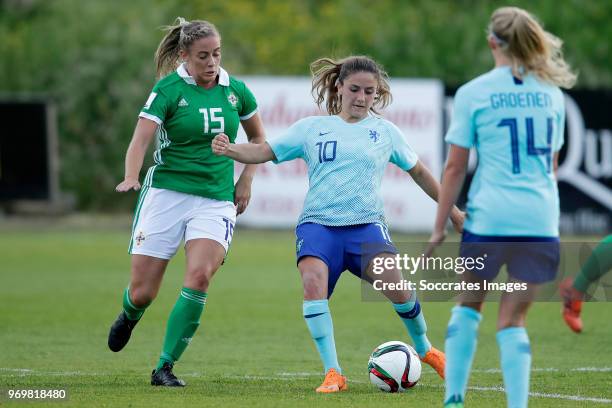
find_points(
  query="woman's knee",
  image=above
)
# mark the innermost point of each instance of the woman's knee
(314, 280)
(314, 289)
(199, 276)
(142, 294)
(147, 274)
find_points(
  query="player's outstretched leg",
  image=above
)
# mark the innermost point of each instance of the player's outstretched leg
(412, 316)
(319, 322)
(460, 346)
(183, 322)
(121, 330)
(573, 291)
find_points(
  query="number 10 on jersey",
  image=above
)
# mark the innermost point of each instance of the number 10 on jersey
(327, 151)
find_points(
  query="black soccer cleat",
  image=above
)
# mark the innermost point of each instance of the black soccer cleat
(165, 377)
(120, 332)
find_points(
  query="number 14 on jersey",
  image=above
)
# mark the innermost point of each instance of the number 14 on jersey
(532, 150)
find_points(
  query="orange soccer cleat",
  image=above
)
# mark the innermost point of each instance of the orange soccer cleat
(572, 304)
(436, 359)
(334, 382)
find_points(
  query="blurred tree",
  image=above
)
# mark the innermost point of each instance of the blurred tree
(95, 59)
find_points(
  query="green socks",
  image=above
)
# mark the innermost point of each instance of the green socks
(131, 311)
(596, 266)
(182, 324)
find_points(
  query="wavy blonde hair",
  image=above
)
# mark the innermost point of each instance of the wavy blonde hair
(531, 48)
(328, 73)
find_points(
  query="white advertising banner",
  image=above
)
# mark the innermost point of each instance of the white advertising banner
(279, 190)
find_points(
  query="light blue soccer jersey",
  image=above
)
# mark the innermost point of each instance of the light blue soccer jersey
(346, 163)
(516, 127)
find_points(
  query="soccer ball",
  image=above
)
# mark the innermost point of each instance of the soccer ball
(394, 367)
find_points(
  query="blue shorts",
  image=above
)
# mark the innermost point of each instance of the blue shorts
(341, 248)
(528, 259)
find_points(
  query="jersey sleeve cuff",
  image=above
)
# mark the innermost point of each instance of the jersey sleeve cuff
(459, 144)
(411, 166)
(249, 115)
(275, 159)
(151, 117)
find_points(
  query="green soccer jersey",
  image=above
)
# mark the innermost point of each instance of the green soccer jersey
(189, 116)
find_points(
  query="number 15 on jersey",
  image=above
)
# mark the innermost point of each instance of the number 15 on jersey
(211, 119)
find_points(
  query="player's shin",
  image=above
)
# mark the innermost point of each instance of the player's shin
(319, 322)
(515, 356)
(121, 329)
(460, 346)
(412, 316)
(183, 322)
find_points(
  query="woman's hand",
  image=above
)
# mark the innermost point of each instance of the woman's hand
(220, 144)
(128, 184)
(436, 239)
(457, 218)
(242, 193)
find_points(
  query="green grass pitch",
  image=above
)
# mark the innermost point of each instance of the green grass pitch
(60, 290)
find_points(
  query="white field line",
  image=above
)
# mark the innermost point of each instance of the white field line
(288, 376)
(493, 371)
(550, 370)
(552, 396)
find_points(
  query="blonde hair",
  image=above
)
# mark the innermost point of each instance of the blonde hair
(327, 74)
(178, 37)
(530, 47)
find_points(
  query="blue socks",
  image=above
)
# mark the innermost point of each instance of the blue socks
(319, 322)
(460, 346)
(515, 355)
(411, 315)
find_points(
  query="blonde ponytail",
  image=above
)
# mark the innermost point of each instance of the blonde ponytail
(179, 37)
(530, 47)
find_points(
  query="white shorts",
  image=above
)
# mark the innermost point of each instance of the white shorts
(164, 218)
